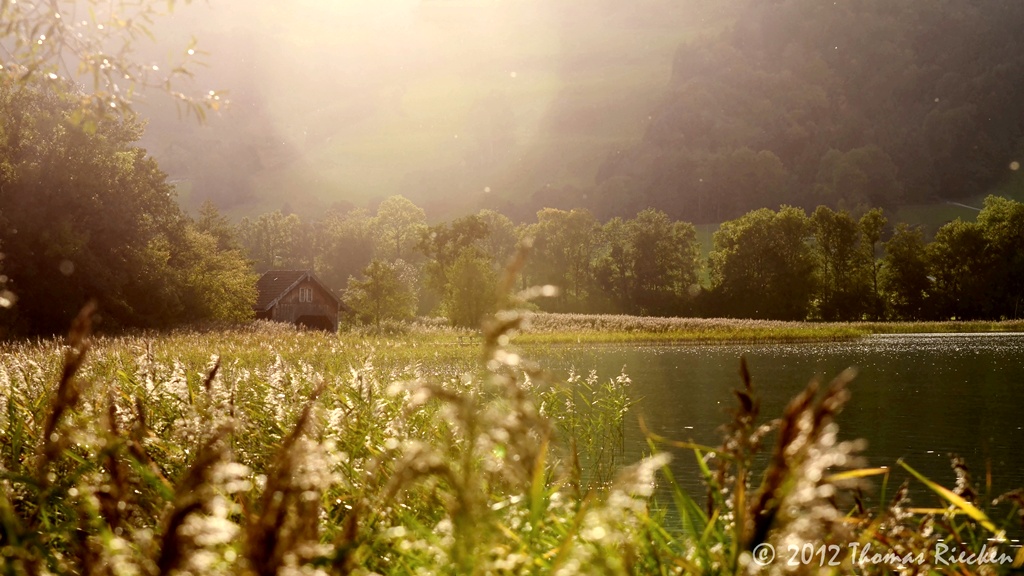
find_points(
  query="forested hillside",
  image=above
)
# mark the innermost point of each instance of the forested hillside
(844, 103)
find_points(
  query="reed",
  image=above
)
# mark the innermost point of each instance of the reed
(290, 452)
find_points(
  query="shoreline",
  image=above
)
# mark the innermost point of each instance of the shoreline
(588, 329)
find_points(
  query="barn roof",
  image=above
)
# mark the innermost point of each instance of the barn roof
(276, 283)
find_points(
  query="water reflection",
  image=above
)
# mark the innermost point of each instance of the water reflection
(917, 397)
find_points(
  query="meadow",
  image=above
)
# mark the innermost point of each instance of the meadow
(266, 450)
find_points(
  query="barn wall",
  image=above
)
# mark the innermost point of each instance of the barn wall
(289, 309)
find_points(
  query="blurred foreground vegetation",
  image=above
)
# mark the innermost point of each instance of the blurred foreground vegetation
(272, 451)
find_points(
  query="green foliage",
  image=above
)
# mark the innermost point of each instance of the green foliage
(662, 260)
(844, 265)
(960, 262)
(387, 291)
(1002, 222)
(276, 241)
(564, 243)
(849, 105)
(501, 240)
(218, 284)
(470, 292)
(89, 215)
(299, 452)
(904, 273)
(763, 266)
(863, 176)
(398, 226)
(766, 264)
(212, 222)
(612, 264)
(92, 43)
(443, 244)
(872, 224)
(344, 245)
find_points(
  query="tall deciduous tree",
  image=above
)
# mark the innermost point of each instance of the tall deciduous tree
(904, 274)
(1002, 224)
(212, 222)
(612, 272)
(501, 240)
(398, 226)
(844, 292)
(276, 241)
(387, 291)
(762, 265)
(872, 224)
(89, 215)
(663, 260)
(961, 262)
(217, 283)
(470, 293)
(442, 245)
(564, 243)
(344, 246)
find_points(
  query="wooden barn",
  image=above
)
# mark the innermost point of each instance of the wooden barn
(298, 297)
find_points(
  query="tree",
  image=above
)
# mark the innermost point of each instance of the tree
(1002, 224)
(612, 270)
(871, 224)
(344, 246)
(212, 222)
(386, 292)
(470, 293)
(762, 265)
(443, 244)
(218, 284)
(961, 261)
(70, 45)
(501, 240)
(564, 244)
(904, 273)
(275, 241)
(842, 265)
(89, 215)
(663, 260)
(399, 224)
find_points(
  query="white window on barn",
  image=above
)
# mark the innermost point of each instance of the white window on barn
(305, 294)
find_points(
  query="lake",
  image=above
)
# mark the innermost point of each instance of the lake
(917, 397)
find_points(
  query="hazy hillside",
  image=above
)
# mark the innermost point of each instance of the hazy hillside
(702, 109)
(843, 103)
(455, 104)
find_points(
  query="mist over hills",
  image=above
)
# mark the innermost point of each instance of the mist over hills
(457, 105)
(850, 103)
(701, 109)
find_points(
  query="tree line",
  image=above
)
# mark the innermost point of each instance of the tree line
(773, 264)
(85, 213)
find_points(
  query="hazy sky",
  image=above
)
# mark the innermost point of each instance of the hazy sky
(443, 99)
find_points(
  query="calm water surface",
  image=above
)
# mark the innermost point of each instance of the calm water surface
(916, 397)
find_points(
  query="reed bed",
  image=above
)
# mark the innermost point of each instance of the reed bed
(550, 327)
(266, 450)
(596, 328)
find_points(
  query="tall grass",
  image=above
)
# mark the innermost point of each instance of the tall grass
(295, 453)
